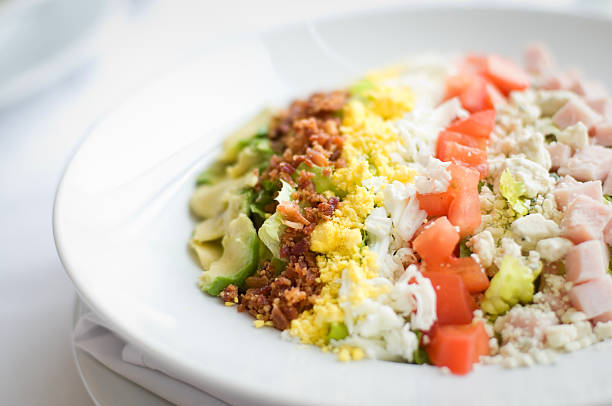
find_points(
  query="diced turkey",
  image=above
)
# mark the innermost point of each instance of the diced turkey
(602, 106)
(603, 133)
(555, 81)
(589, 89)
(586, 261)
(607, 234)
(585, 219)
(559, 154)
(566, 193)
(593, 298)
(575, 111)
(607, 186)
(591, 163)
(537, 59)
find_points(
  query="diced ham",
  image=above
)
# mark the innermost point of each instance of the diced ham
(537, 59)
(566, 193)
(603, 133)
(607, 234)
(593, 298)
(589, 89)
(591, 163)
(602, 106)
(559, 154)
(607, 316)
(575, 111)
(555, 81)
(586, 261)
(607, 186)
(585, 220)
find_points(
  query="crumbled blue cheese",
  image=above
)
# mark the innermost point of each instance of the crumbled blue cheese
(575, 136)
(550, 101)
(483, 245)
(534, 176)
(532, 228)
(553, 249)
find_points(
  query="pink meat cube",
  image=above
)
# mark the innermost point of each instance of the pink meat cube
(574, 111)
(603, 133)
(607, 186)
(555, 81)
(589, 89)
(602, 106)
(586, 261)
(585, 219)
(590, 163)
(566, 193)
(537, 59)
(607, 233)
(607, 316)
(559, 154)
(593, 298)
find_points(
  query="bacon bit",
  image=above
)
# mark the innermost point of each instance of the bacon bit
(291, 214)
(308, 131)
(319, 158)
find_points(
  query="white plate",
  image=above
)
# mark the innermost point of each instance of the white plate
(121, 220)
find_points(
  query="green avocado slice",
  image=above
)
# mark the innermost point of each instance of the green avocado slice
(239, 259)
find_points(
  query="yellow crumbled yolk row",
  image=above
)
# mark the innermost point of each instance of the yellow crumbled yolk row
(370, 143)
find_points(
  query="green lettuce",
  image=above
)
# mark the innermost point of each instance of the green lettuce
(513, 283)
(512, 190)
(270, 231)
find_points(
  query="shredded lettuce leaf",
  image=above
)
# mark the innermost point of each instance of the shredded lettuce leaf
(513, 283)
(512, 190)
(270, 231)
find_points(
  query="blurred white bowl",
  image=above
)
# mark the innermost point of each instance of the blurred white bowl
(41, 41)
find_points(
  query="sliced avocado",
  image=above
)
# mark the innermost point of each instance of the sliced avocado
(209, 229)
(209, 201)
(239, 259)
(255, 155)
(213, 174)
(207, 252)
(232, 146)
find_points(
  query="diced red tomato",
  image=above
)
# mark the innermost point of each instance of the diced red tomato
(463, 179)
(464, 212)
(458, 347)
(437, 241)
(479, 124)
(474, 64)
(463, 139)
(505, 74)
(474, 97)
(455, 85)
(496, 98)
(470, 271)
(454, 304)
(435, 204)
(473, 157)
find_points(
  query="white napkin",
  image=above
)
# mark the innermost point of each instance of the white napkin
(94, 337)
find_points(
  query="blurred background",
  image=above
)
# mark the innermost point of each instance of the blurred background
(63, 65)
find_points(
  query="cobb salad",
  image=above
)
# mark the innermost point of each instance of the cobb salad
(446, 210)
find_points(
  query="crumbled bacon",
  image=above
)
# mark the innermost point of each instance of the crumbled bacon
(307, 132)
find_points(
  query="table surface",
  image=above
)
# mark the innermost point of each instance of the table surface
(37, 136)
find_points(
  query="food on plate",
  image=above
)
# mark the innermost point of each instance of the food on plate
(447, 210)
